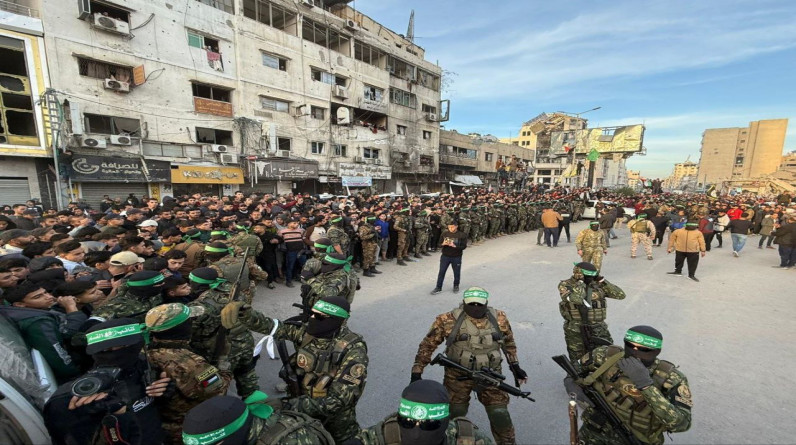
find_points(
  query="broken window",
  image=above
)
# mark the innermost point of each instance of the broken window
(227, 6)
(428, 80)
(317, 113)
(401, 129)
(211, 92)
(368, 54)
(323, 36)
(429, 109)
(101, 124)
(402, 97)
(17, 119)
(275, 62)
(271, 15)
(426, 135)
(103, 70)
(399, 68)
(270, 103)
(370, 153)
(373, 93)
(283, 143)
(213, 136)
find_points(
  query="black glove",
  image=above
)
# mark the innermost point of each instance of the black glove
(519, 374)
(636, 372)
(415, 377)
(599, 279)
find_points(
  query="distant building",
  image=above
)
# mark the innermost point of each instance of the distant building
(741, 153)
(471, 159)
(634, 179)
(683, 176)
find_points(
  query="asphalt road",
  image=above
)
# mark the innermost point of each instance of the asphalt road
(731, 334)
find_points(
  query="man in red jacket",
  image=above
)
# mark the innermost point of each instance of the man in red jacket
(734, 212)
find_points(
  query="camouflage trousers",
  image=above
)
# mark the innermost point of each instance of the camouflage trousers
(495, 403)
(592, 434)
(368, 254)
(421, 243)
(246, 379)
(644, 239)
(512, 225)
(403, 246)
(576, 348)
(494, 227)
(594, 256)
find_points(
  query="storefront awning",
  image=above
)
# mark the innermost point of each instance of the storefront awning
(196, 174)
(467, 180)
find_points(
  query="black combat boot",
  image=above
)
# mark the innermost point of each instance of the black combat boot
(373, 270)
(417, 255)
(401, 262)
(367, 273)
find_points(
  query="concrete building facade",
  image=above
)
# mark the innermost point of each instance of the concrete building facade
(741, 153)
(683, 175)
(471, 159)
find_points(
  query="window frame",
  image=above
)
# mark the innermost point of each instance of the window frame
(371, 153)
(112, 125)
(320, 111)
(427, 135)
(403, 98)
(275, 107)
(401, 129)
(339, 150)
(281, 62)
(213, 88)
(488, 157)
(216, 133)
(316, 147)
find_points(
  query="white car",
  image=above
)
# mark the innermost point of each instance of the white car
(590, 212)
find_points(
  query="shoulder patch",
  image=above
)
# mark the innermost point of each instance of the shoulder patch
(208, 377)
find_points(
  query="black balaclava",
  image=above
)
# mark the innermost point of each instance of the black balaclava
(475, 310)
(428, 392)
(333, 261)
(649, 338)
(124, 358)
(205, 274)
(328, 327)
(217, 413)
(588, 270)
(129, 346)
(180, 332)
(594, 226)
(146, 283)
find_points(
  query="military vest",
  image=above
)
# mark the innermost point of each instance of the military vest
(596, 314)
(472, 347)
(640, 226)
(627, 401)
(317, 368)
(278, 428)
(390, 431)
(230, 268)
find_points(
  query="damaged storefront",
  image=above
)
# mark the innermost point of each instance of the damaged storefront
(282, 176)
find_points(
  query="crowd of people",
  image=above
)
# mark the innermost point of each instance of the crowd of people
(158, 294)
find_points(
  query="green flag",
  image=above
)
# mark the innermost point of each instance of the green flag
(593, 155)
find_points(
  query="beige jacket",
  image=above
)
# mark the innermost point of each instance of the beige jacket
(683, 240)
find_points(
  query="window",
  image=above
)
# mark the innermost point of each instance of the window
(269, 103)
(399, 68)
(102, 70)
(271, 15)
(428, 80)
(368, 54)
(283, 143)
(373, 93)
(227, 6)
(97, 123)
(426, 134)
(739, 160)
(199, 41)
(213, 136)
(17, 120)
(339, 150)
(212, 92)
(322, 76)
(402, 97)
(487, 156)
(110, 11)
(317, 148)
(172, 150)
(275, 62)
(370, 153)
(325, 37)
(429, 109)
(401, 129)
(317, 112)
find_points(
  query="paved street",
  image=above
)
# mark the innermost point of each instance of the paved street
(727, 333)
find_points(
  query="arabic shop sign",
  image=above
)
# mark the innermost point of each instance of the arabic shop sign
(193, 174)
(374, 171)
(283, 169)
(85, 168)
(357, 181)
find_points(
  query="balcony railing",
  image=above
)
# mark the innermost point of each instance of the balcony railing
(18, 9)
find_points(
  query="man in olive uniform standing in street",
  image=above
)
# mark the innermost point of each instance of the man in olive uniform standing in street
(475, 334)
(642, 231)
(422, 226)
(243, 239)
(368, 237)
(228, 266)
(591, 245)
(336, 233)
(584, 309)
(650, 396)
(401, 226)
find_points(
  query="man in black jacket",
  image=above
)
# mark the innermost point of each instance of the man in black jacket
(453, 244)
(786, 239)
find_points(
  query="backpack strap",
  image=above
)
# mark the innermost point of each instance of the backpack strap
(452, 336)
(609, 362)
(392, 432)
(466, 432)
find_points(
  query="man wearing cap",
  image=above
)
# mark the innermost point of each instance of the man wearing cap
(231, 421)
(689, 244)
(194, 378)
(140, 293)
(423, 417)
(86, 411)
(220, 257)
(475, 334)
(641, 231)
(592, 245)
(584, 308)
(650, 396)
(401, 227)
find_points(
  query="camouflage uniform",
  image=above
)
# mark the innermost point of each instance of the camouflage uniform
(642, 231)
(332, 373)
(522, 217)
(664, 406)
(459, 431)
(511, 219)
(369, 237)
(446, 219)
(194, 378)
(312, 265)
(243, 239)
(288, 428)
(494, 221)
(229, 267)
(127, 305)
(422, 226)
(464, 221)
(338, 236)
(337, 283)
(401, 227)
(593, 244)
(241, 342)
(495, 401)
(573, 293)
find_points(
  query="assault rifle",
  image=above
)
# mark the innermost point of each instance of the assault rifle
(287, 373)
(598, 401)
(222, 347)
(484, 377)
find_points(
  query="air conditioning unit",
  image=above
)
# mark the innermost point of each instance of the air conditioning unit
(215, 148)
(227, 158)
(359, 159)
(110, 24)
(283, 153)
(352, 25)
(370, 161)
(431, 117)
(377, 161)
(340, 91)
(300, 110)
(307, 3)
(93, 142)
(121, 140)
(115, 85)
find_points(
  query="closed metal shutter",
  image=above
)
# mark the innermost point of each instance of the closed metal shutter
(92, 192)
(14, 191)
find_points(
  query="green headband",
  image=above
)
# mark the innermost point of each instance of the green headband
(476, 293)
(218, 249)
(148, 282)
(213, 283)
(244, 228)
(330, 309)
(194, 236)
(338, 219)
(590, 273)
(253, 407)
(219, 233)
(177, 320)
(643, 340)
(594, 223)
(321, 246)
(114, 333)
(643, 215)
(423, 411)
(692, 224)
(334, 260)
(371, 218)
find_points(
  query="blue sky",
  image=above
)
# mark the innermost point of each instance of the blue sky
(677, 66)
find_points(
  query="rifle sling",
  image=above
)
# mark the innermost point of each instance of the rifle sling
(591, 378)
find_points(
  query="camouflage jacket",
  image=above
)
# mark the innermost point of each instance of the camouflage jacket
(663, 406)
(445, 220)
(338, 236)
(400, 225)
(126, 305)
(378, 434)
(442, 327)
(288, 428)
(242, 240)
(422, 224)
(228, 268)
(195, 379)
(573, 293)
(195, 251)
(367, 233)
(589, 239)
(337, 283)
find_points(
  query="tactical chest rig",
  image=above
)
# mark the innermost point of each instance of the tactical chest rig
(317, 368)
(472, 347)
(574, 312)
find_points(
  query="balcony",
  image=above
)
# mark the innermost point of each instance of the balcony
(458, 159)
(18, 9)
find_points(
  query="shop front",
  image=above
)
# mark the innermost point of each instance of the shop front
(207, 180)
(94, 177)
(282, 176)
(369, 178)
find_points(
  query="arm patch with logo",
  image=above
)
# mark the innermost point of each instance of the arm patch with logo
(682, 396)
(353, 373)
(209, 377)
